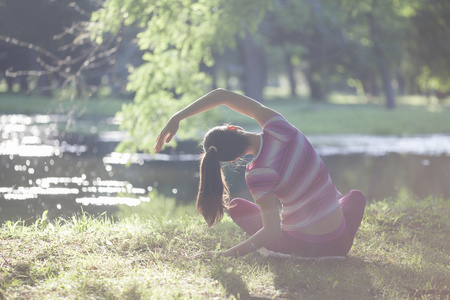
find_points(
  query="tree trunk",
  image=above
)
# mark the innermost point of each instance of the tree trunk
(401, 84)
(382, 64)
(387, 85)
(291, 75)
(316, 88)
(369, 81)
(315, 74)
(254, 64)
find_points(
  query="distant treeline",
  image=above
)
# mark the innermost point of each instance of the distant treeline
(371, 47)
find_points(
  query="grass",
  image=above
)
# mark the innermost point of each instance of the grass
(401, 252)
(19, 103)
(89, 110)
(343, 114)
(349, 116)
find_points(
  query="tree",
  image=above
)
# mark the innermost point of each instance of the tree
(27, 21)
(253, 59)
(428, 46)
(50, 40)
(310, 32)
(178, 37)
(380, 25)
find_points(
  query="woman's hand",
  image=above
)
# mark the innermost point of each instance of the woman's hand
(167, 133)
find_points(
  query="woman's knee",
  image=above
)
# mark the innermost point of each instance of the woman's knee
(242, 207)
(358, 196)
(241, 203)
(353, 199)
(234, 202)
(246, 215)
(353, 205)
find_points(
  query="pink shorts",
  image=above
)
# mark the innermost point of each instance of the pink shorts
(247, 215)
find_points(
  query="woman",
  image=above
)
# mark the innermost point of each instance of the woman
(315, 220)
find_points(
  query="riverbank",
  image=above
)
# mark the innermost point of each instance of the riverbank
(343, 114)
(401, 251)
(348, 115)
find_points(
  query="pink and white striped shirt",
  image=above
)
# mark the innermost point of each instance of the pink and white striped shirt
(289, 167)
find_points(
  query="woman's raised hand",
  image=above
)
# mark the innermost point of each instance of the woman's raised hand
(167, 133)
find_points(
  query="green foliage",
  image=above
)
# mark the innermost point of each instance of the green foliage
(334, 43)
(412, 34)
(308, 32)
(178, 37)
(428, 45)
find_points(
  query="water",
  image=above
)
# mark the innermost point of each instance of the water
(42, 169)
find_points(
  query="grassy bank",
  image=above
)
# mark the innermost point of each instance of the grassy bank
(341, 115)
(352, 116)
(22, 104)
(401, 252)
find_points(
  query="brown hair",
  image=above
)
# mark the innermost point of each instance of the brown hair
(221, 144)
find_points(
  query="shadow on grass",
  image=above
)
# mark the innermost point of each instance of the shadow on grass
(331, 278)
(354, 278)
(233, 283)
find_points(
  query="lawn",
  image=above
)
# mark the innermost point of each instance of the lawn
(402, 251)
(22, 104)
(343, 114)
(413, 115)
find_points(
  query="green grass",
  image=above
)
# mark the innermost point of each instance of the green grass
(401, 252)
(411, 117)
(90, 110)
(343, 114)
(19, 103)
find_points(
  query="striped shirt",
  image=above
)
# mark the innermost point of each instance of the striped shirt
(289, 167)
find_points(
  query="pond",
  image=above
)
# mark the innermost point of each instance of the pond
(43, 169)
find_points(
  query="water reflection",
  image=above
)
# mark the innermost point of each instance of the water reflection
(43, 170)
(140, 158)
(392, 175)
(112, 200)
(432, 145)
(48, 171)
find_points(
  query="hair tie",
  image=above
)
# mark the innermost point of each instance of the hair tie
(212, 148)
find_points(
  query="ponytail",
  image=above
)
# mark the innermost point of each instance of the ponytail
(212, 188)
(221, 143)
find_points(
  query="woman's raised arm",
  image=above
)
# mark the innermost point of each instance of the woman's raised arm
(242, 104)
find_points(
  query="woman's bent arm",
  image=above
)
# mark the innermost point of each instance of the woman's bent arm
(237, 102)
(270, 232)
(240, 103)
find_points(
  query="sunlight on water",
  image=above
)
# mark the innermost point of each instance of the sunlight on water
(116, 158)
(112, 201)
(27, 120)
(113, 186)
(24, 150)
(23, 135)
(32, 147)
(23, 193)
(46, 182)
(9, 148)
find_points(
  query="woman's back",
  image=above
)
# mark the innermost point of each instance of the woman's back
(289, 167)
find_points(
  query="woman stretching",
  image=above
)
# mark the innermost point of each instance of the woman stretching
(316, 220)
